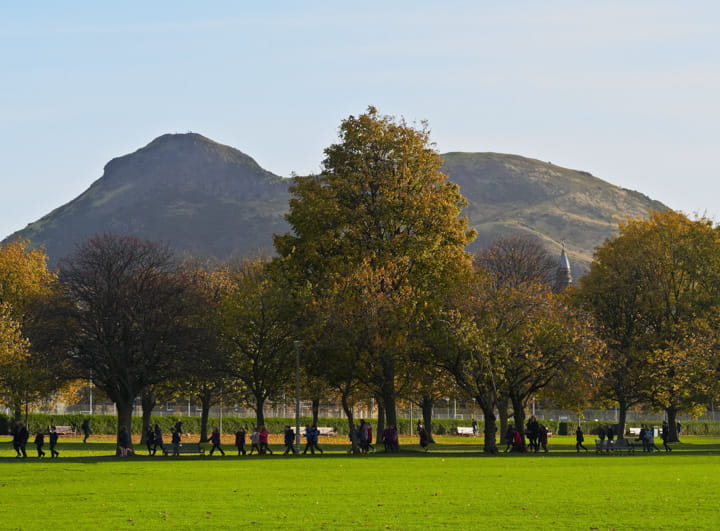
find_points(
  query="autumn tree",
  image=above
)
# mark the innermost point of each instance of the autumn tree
(543, 339)
(380, 201)
(513, 261)
(655, 290)
(464, 348)
(27, 375)
(132, 311)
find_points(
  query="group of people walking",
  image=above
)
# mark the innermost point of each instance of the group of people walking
(360, 435)
(536, 433)
(21, 435)
(646, 437)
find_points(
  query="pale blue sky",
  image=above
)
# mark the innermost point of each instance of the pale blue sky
(627, 90)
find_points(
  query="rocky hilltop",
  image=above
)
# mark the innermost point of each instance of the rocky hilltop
(208, 199)
(201, 197)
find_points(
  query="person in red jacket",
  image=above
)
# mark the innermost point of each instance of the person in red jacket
(264, 441)
(517, 441)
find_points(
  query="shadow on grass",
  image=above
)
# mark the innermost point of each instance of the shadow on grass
(105, 451)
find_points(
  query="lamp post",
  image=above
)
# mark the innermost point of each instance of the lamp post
(297, 344)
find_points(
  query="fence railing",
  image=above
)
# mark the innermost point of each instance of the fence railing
(332, 410)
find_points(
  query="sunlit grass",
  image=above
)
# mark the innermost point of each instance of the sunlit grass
(453, 486)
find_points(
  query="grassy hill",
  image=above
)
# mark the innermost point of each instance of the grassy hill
(510, 193)
(209, 199)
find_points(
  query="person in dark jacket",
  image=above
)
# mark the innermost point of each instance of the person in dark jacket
(53, 439)
(509, 437)
(39, 443)
(601, 437)
(665, 436)
(175, 442)
(424, 439)
(642, 437)
(158, 440)
(20, 439)
(150, 440)
(610, 434)
(532, 430)
(289, 435)
(579, 439)
(85, 429)
(215, 440)
(124, 442)
(240, 440)
(543, 437)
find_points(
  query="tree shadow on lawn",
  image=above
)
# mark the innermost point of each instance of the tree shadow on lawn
(105, 451)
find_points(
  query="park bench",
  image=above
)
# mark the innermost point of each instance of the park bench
(617, 445)
(327, 430)
(623, 445)
(186, 448)
(465, 431)
(634, 431)
(64, 430)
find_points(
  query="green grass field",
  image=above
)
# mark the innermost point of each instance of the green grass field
(453, 486)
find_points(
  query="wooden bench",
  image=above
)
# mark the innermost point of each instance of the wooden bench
(64, 430)
(186, 448)
(464, 431)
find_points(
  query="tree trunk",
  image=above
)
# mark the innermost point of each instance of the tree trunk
(673, 435)
(502, 407)
(17, 412)
(488, 409)
(622, 419)
(519, 418)
(124, 415)
(147, 400)
(427, 406)
(388, 404)
(260, 411)
(380, 423)
(348, 410)
(315, 411)
(205, 403)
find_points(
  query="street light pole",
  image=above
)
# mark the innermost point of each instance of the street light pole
(297, 344)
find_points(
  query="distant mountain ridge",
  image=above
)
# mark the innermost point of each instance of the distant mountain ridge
(209, 199)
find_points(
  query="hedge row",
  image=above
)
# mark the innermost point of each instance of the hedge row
(107, 424)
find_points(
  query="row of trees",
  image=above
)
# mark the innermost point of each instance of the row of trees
(375, 288)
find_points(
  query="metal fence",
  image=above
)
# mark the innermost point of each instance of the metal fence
(331, 409)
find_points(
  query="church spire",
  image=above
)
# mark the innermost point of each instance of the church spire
(563, 276)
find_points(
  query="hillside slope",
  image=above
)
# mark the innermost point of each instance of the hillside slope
(208, 199)
(510, 193)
